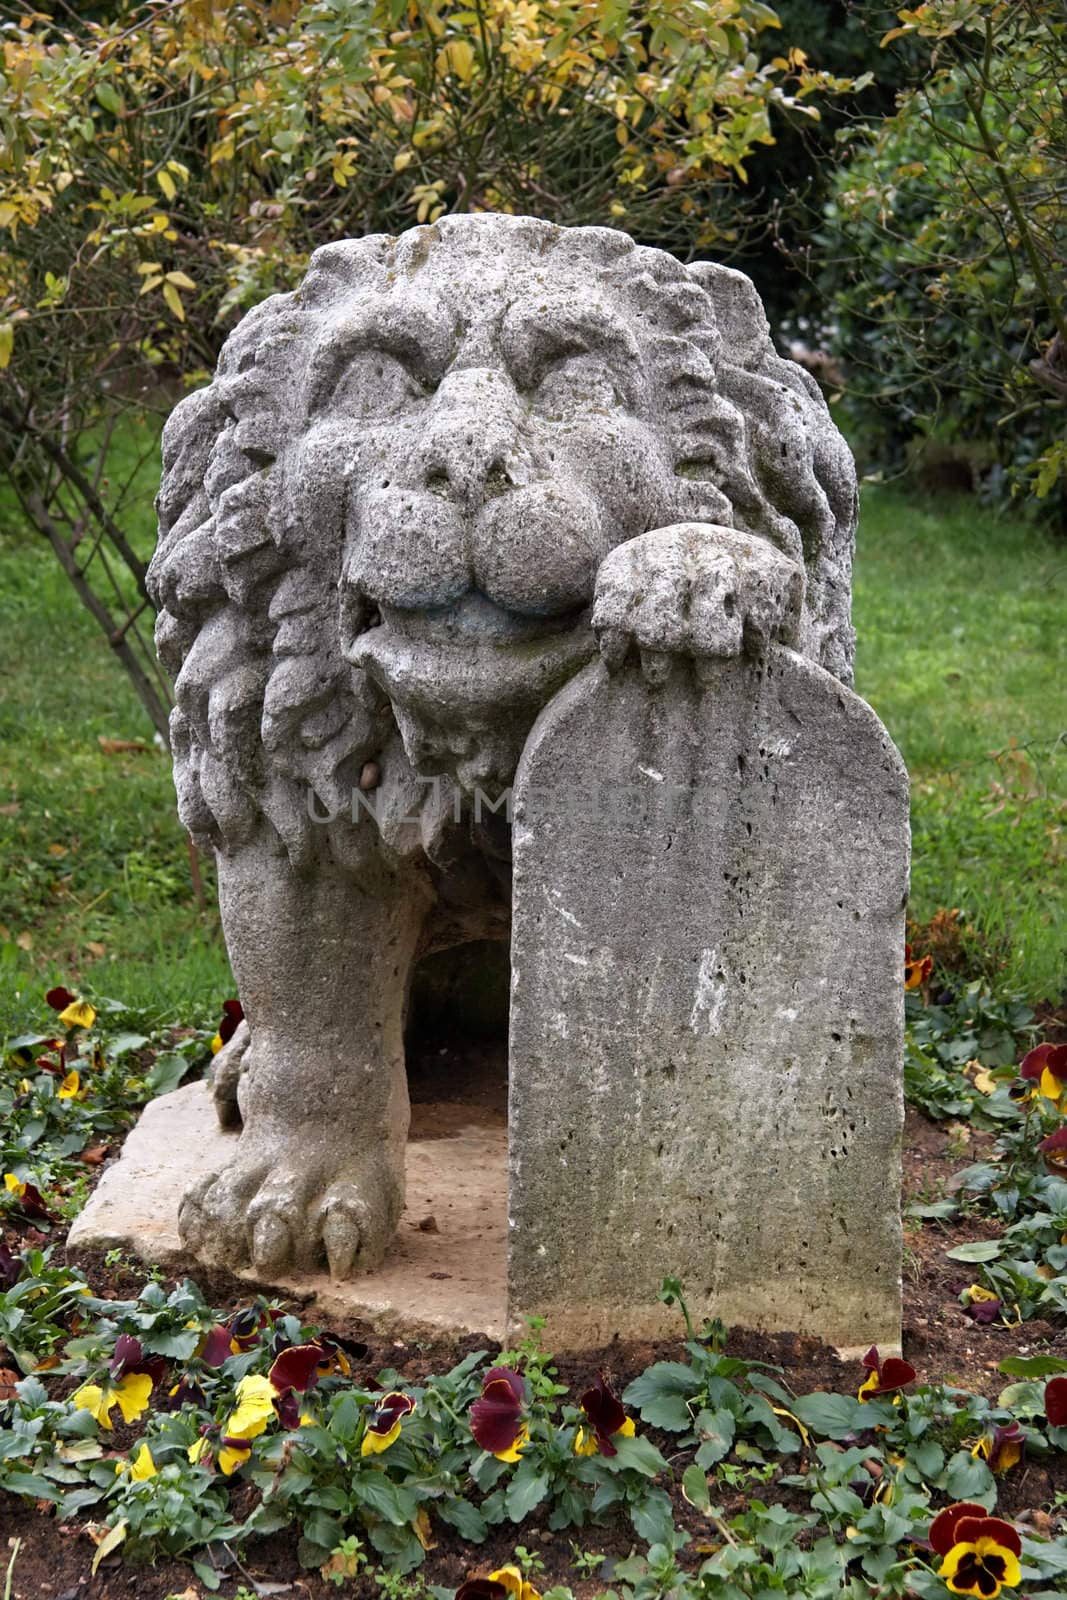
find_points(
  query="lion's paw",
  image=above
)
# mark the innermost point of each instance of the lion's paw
(694, 590)
(280, 1211)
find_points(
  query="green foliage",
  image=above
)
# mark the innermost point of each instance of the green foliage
(862, 1477)
(68, 1089)
(968, 1026)
(865, 1474)
(944, 238)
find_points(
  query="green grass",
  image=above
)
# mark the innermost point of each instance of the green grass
(95, 884)
(960, 622)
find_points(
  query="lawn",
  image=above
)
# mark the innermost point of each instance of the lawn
(959, 614)
(961, 650)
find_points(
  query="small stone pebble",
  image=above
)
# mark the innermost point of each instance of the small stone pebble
(371, 776)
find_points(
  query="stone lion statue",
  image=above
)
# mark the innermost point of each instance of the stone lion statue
(423, 491)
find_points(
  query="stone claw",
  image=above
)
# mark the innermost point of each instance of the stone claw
(281, 1209)
(697, 591)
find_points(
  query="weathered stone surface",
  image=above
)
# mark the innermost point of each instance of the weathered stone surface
(443, 1271)
(707, 1009)
(423, 492)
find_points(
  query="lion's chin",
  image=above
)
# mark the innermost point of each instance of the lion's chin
(465, 699)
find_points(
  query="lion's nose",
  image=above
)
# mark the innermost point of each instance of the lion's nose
(470, 449)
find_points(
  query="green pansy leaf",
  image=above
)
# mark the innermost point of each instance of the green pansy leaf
(527, 1489)
(695, 1488)
(928, 1457)
(464, 1517)
(977, 1250)
(968, 1478)
(1033, 1366)
(166, 1074)
(660, 1395)
(833, 1415)
(1025, 1399)
(637, 1454)
(653, 1517)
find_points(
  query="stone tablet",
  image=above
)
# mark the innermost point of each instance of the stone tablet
(707, 1007)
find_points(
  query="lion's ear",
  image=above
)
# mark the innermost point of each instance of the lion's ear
(739, 313)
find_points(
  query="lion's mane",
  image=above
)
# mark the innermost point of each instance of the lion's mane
(267, 706)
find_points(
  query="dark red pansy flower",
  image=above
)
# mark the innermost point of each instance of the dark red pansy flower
(383, 1424)
(129, 1357)
(32, 1204)
(1044, 1058)
(943, 1528)
(288, 1408)
(185, 1392)
(980, 1554)
(232, 1017)
(59, 998)
(216, 1346)
(1054, 1149)
(127, 1354)
(481, 1589)
(916, 968)
(605, 1412)
(297, 1368)
(247, 1325)
(497, 1417)
(340, 1353)
(1056, 1402)
(884, 1377)
(10, 1267)
(983, 1311)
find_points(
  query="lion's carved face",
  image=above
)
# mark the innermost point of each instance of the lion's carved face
(391, 505)
(489, 427)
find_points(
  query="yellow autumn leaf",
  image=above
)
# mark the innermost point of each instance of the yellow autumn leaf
(403, 160)
(174, 300)
(460, 53)
(167, 184)
(181, 280)
(7, 343)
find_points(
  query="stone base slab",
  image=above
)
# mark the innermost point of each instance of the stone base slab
(445, 1276)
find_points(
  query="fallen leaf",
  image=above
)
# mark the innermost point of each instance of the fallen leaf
(423, 1529)
(8, 1380)
(58, 850)
(12, 809)
(120, 747)
(24, 941)
(106, 1540)
(93, 1154)
(95, 948)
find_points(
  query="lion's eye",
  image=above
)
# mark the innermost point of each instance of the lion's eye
(575, 379)
(375, 383)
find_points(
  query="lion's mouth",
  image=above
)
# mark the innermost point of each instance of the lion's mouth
(472, 657)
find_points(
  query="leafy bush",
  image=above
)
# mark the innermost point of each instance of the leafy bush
(942, 239)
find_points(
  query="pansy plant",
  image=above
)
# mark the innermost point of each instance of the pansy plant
(131, 1377)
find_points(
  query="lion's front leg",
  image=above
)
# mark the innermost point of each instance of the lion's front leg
(697, 591)
(322, 968)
